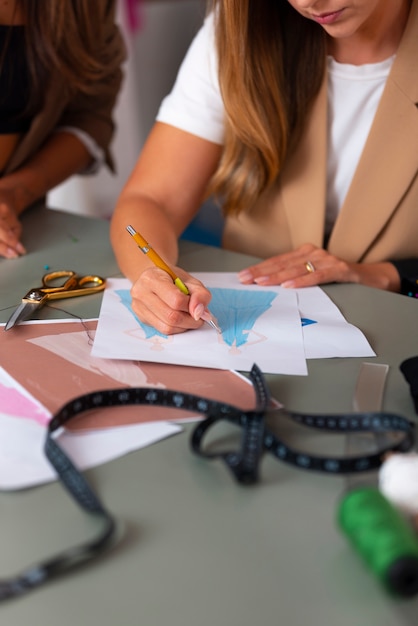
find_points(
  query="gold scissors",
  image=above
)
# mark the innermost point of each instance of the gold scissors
(73, 285)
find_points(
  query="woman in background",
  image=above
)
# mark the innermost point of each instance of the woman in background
(60, 73)
(301, 116)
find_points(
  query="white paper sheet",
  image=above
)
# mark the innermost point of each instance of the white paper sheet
(274, 327)
(23, 463)
(259, 325)
(326, 333)
(23, 430)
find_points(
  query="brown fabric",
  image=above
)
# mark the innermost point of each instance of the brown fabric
(92, 114)
(379, 218)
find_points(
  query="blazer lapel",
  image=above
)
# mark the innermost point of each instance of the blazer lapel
(303, 181)
(389, 161)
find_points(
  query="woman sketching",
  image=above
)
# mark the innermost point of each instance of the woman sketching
(301, 117)
(60, 72)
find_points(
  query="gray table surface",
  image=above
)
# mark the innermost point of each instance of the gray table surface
(198, 550)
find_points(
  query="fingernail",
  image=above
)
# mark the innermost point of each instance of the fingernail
(262, 280)
(20, 248)
(245, 276)
(198, 312)
(287, 284)
(11, 254)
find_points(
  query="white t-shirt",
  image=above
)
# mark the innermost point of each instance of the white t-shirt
(195, 105)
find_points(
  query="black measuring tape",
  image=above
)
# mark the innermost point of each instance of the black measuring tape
(258, 439)
(38, 574)
(244, 463)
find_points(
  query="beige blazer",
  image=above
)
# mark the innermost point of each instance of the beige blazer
(92, 113)
(379, 218)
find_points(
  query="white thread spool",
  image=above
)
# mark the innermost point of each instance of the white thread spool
(398, 481)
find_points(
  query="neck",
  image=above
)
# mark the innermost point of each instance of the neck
(376, 40)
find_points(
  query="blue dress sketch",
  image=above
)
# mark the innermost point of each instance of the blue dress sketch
(237, 310)
(126, 300)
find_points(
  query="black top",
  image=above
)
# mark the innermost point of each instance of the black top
(14, 81)
(408, 272)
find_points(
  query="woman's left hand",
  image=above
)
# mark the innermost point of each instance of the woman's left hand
(10, 228)
(309, 265)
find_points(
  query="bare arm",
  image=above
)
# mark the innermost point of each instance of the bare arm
(161, 197)
(61, 156)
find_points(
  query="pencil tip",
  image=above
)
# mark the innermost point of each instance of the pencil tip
(215, 326)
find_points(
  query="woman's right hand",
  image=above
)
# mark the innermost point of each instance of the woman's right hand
(159, 303)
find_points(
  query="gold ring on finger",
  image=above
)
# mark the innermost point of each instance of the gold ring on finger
(309, 266)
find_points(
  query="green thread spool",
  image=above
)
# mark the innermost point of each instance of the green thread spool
(383, 537)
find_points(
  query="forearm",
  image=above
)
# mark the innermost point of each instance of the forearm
(59, 158)
(379, 275)
(147, 217)
(162, 195)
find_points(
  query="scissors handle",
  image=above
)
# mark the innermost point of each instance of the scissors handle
(74, 284)
(50, 285)
(85, 286)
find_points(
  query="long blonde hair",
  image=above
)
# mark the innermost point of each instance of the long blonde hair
(271, 64)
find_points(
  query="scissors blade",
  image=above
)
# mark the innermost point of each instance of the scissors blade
(23, 312)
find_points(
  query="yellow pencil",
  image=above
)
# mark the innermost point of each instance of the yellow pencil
(158, 261)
